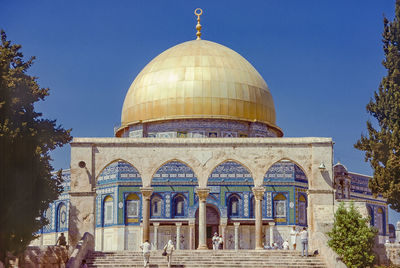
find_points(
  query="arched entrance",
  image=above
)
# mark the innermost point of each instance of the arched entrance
(212, 216)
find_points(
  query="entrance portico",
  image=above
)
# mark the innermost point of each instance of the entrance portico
(89, 156)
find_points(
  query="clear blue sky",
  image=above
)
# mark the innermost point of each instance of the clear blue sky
(321, 59)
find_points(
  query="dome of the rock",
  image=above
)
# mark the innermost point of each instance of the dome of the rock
(199, 80)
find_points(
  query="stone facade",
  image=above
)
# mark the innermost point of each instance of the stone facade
(251, 158)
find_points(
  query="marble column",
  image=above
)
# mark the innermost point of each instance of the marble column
(155, 242)
(258, 197)
(178, 235)
(146, 194)
(236, 224)
(271, 233)
(202, 193)
(191, 233)
(222, 224)
(266, 238)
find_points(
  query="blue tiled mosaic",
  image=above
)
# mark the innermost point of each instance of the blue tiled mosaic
(119, 171)
(230, 172)
(199, 128)
(174, 172)
(284, 172)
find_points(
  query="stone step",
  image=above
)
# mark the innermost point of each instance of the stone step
(207, 258)
(210, 265)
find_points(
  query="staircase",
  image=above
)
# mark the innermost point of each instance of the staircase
(207, 258)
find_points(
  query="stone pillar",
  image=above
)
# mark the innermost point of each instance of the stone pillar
(146, 194)
(222, 224)
(191, 233)
(266, 238)
(236, 224)
(82, 194)
(271, 233)
(178, 235)
(155, 242)
(398, 232)
(258, 197)
(202, 193)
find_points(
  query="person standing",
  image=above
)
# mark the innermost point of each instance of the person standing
(169, 248)
(220, 242)
(304, 241)
(285, 245)
(293, 236)
(62, 241)
(146, 252)
(215, 241)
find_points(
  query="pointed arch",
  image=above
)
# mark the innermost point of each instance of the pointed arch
(156, 205)
(179, 205)
(371, 215)
(174, 171)
(280, 206)
(230, 171)
(302, 209)
(132, 208)
(119, 170)
(285, 170)
(234, 205)
(381, 221)
(61, 217)
(108, 210)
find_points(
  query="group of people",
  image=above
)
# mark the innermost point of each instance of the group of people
(293, 239)
(168, 249)
(217, 241)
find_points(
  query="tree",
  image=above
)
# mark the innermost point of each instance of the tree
(26, 183)
(352, 238)
(382, 146)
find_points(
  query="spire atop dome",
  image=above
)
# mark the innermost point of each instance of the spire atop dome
(198, 12)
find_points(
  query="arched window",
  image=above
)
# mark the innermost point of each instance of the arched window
(108, 210)
(132, 205)
(48, 216)
(252, 206)
(380, 221)
(179, 206)
(62, 221)
(233, 206)
(156, 205)
(371, 215)
(280, 206)
(302, 210)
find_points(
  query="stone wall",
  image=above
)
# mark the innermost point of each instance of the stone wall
(44, 256)
(393, 252)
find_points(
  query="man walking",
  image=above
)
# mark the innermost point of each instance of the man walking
(169, 248)
(304, 241)
(215, 241)
(146, 252)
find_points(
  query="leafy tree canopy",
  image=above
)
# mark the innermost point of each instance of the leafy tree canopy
(352, 238)
(382, 146)
(26, 138)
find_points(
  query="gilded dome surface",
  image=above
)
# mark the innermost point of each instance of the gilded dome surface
(198, 79)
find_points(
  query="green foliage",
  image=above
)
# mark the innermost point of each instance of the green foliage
(352, 238)
(382, 146)
(26, 184)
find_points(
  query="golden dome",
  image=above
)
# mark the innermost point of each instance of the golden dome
(199, 79)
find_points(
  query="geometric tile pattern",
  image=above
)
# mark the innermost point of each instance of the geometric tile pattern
(119, 171)
(230, 172)
(174, 172)
(284, 171)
